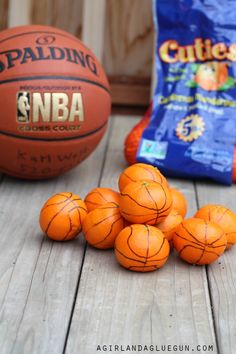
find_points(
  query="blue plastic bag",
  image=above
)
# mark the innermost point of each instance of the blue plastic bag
(192, 130)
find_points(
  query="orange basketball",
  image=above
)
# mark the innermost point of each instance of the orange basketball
(100, 196)
(199, 241)
(62, 215)
(179, 201)
(222, 216)
(102, 225)
(141, 248)
(145, 202)
(55, 101)
(170, 223)
(139, 172)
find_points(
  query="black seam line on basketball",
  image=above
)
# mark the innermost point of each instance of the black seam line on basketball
(54, 139)
(99, 222)
(46, 32)
(109, 233)
(198, 243)
(56, 77)
(63, 201)
(197, 248)
(157, 209)
(140, 261)
(70, 229)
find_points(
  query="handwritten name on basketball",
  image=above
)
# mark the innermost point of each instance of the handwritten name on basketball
(13, 57)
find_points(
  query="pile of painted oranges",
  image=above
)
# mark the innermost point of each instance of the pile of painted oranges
(142, 222)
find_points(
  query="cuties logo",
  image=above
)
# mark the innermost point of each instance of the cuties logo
(202, 50)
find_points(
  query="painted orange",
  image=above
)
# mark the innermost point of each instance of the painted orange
(179, 201)
(222, 216)
(198, 241)
(145, 202)
(170, 223)
(139, 172)
(62, 215)
(100, 196)
(141, 248)
(102, 225)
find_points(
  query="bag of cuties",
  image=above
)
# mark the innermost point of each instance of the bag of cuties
(142, 221)
(192, 129)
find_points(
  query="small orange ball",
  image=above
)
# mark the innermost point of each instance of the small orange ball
(222, 216)
(145, 202)
(100, 196)
(170, 223)
(62, 215)
(141, 248)
(102, 225)
(179, 202)
(139, 172)
(198, 241)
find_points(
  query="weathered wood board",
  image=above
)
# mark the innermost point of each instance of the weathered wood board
(38, 277)
(3, 13)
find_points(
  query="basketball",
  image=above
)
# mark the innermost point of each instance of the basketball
(141, 248)
(55, 102)
(62, 215)
(199, 241)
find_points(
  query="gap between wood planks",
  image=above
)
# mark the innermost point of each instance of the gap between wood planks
(85, 247)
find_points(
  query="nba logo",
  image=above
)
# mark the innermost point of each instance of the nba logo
(23, 107)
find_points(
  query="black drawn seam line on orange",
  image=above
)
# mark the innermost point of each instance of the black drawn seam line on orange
(191, 235)
(140, 261)
(136, 202)
(186, 246)
(200, 244)
(100, 222)
(130, 248)
(130, 178)
(100, 194)
(213, 242)
(70, 229)
(57, 203)
(219, 219)
(56, 214)
(109, 233)
(151, 173)
(131, 259)
(61, 202)
(150, 196)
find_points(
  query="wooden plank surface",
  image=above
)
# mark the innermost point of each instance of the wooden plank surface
(4, 4)
(39, 277)
(222, 275)
(115, 306)
(129, 34)
(66, 15)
